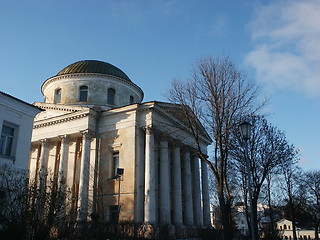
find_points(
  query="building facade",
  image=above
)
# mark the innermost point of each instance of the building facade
(16, 122)
(286, 230)
(94, 124)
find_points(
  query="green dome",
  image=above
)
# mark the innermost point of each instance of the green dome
(93, 66)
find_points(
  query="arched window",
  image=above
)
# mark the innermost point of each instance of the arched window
(57, 95)
(111, 94)
(83, 93)
(131, 99)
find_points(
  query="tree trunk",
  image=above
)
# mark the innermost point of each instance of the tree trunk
(294, 233)
(271, 225)
(316, 230)
(225, 217)
(255, 217)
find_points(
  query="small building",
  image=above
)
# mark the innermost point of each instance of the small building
(286, 230)
(94, 124)
(240, 218)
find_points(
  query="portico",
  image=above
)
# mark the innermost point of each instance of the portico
(181, 199)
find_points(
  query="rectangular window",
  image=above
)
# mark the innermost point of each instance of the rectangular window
(115, 163)
(57, 97)
(111, 95)
(83, 94)
(8, 139)
(113, 213)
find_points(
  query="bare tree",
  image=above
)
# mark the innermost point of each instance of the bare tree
(219, 95)
(289, 183)
(30, 211)
(268, 149)
(311, 180)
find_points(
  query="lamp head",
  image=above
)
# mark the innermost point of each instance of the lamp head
(245, 130)
(120, 171)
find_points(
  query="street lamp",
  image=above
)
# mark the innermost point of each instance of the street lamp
(245, 131)
(119, 174)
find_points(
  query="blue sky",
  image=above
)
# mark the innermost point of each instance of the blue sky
(276, 42)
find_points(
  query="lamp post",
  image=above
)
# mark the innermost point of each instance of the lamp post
(118, 176)
(120, 172)
(245, 131)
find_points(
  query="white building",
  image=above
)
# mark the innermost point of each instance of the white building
(95, 122)
(286, 230)
(16, 121)
(240, 218)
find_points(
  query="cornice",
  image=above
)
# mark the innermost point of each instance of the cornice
(59, 119)
(67, 108)
(74, 75)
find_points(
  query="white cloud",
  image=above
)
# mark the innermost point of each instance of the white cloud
(286, 37)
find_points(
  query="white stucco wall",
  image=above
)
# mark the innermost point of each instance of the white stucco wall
(21, 115)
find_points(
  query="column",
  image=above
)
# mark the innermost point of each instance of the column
(196, 192)
(177, 190)
(42, 179)
(205, 194)
(63, 161)
(150, 181)
(43, 160)
(188, 205)
(165, 211)
(139, 177)
(84, 177)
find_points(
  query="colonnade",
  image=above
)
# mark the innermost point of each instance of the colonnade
(171, 186)
(83, 195)
(183, 194)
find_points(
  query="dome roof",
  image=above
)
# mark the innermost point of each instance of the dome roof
(93, 66)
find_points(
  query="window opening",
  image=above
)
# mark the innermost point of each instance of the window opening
(131, 100)
(6, 142)
(115, 163)
(111, 95)
(57, 96)
(83, 95)
(113, 213)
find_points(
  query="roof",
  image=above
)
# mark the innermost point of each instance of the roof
(93, 66)
(19, 100)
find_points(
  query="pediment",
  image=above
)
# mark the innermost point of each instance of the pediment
(56, 110)
(185, 115)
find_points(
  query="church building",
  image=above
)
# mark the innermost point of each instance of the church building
(122, 158)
